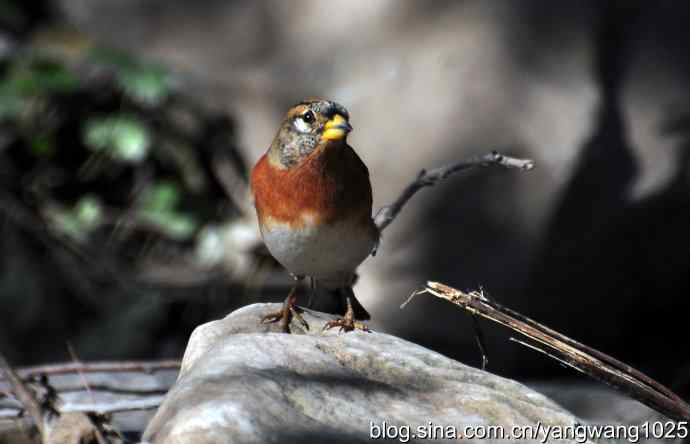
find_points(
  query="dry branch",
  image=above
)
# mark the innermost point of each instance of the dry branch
(24, 395)
(99, 367)
(131, 399)
(80, 408)
(585, 359)
(387, 214)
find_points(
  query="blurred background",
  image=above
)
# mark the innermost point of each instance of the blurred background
(127, 130)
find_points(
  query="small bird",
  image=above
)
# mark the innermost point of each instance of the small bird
(313, 201)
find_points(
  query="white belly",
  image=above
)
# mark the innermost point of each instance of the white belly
(330, 253)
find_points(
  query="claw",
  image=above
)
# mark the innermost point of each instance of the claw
(272, 317)
(297, 315)
(281, 316)
(286, 313)
(345, 325)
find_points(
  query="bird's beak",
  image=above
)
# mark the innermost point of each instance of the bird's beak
(336, 128)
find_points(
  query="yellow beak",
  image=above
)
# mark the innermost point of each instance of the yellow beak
(336, 128)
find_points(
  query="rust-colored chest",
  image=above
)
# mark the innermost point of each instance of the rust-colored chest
(329, 185)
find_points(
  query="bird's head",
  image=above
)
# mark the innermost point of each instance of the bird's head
(307, 126)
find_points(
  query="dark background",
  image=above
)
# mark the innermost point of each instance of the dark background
(593, 243)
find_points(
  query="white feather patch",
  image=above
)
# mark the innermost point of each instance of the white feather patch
(301, 125)
(329, 252)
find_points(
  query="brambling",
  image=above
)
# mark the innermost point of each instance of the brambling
(313, 200)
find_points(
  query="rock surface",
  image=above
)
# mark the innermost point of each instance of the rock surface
(241, 382)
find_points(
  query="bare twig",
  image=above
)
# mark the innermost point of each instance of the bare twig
(120, 406)
(100, 367)
(109, 388)
(479, 338)
(103, 408)
(387, 214)
(24, 395)
(233, 183)
(570, 352)
(85, 413)
(77, 362)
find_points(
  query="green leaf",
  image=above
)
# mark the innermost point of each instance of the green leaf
(125, 138)
(89, 211)
(69, 225)
(42, 146)
(110, 56)
(30, 77)
(54, 77)
(158, 205)
(40, 76)
(161, 197)
(149, 85)
(78, 221)
(11, 103)
(176, 225)
(179, 226)
(143, 82)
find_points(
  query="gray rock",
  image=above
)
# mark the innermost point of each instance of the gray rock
(596, 403)
(241, 382)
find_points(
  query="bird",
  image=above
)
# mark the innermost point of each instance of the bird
(313, 200)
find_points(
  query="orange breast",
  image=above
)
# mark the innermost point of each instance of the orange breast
(331, 184)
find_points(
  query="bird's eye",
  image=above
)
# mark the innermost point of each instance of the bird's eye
(308, 117)
(304, 121)
(301, 125)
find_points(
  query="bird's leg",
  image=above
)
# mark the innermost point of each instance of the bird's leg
(312, 292)
(347, 322)
(288, 311)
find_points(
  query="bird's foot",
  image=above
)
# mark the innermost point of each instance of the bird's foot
(286, 313)
(346, 324)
